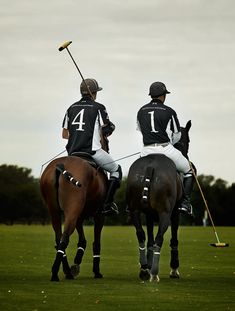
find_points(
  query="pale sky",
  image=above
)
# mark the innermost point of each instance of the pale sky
(126, 45)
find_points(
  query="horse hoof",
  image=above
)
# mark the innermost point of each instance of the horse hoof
(144, 274)
(54, 278)
(98, 276)
(75, 270)
(174, 274)
(154, 278)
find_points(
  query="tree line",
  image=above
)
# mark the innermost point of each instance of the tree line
(21, 201)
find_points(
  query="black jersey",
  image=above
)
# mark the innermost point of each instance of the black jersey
(157, 122)
(83, 120)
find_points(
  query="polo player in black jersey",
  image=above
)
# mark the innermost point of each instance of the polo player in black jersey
(160, 129)
(82, 126)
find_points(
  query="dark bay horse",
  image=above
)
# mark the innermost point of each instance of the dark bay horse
(74, 186)
(155, 188)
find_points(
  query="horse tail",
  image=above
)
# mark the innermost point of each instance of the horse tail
(68, 176)
(146, 184)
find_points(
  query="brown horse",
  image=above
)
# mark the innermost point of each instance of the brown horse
(155, 189)
(76, 187)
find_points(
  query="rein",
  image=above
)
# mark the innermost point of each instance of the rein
(50, 161)
(125, 157)
(128, 156)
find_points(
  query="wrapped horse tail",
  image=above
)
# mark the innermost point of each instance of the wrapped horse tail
(68, 176)
(147, 183)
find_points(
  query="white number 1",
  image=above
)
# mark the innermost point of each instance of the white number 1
(152, 122)
(78, 120)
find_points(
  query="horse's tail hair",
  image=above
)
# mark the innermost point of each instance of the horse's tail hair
(68, 176)
(146, 184)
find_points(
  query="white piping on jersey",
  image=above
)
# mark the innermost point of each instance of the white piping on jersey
(169, 131)
(175, 129)
(96, 145)
(101, 122)
(138, 126)
(66, 121)
(174, 135)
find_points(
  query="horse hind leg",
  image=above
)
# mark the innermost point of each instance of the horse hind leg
(144, 274)
(98, 226)
(66, 268)
(164, 221)
(155, 264)
(144, 270)
(56, 224)
(174, 263)
(150, 234)
(61, 258)
(75, 269)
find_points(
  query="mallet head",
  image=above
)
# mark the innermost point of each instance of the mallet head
(219, 244)
(65, 45)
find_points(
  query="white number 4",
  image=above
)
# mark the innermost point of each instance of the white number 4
(78, 120)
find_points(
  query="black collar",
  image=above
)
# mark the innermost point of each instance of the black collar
(156, 100)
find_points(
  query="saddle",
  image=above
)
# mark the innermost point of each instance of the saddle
(87, 157)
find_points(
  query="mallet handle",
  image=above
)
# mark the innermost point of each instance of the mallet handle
(203, 197)
(65, 46)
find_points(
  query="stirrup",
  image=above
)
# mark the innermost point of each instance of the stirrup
(188, 209)
(110, 209)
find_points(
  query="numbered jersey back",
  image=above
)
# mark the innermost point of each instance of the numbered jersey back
(83, 120)
(157, 122)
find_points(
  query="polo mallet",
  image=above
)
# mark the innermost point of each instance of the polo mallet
(218, 244)
(65, 46)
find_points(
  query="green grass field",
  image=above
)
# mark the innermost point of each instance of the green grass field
(207, 279)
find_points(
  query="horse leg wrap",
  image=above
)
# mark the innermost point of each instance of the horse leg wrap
(156, 258)
(79, 255)
(142, 255)
(174, 264)
(64, 242)
(96, 266)
(56, 265)
(150, 256)
(66, 267)
(96, 262)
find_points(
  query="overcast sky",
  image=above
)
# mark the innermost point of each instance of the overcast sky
(126, 45)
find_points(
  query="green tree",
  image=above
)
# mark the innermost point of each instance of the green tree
(20, 198)
(220, 200)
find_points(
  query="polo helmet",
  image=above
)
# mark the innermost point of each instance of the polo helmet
(157, 89)
(89, 86)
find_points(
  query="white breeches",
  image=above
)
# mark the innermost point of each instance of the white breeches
(105, 161)
(171, 152)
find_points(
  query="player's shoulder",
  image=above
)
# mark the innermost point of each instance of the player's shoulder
(169, 109)
(144, 107)
(99, 105)
(71, 107)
